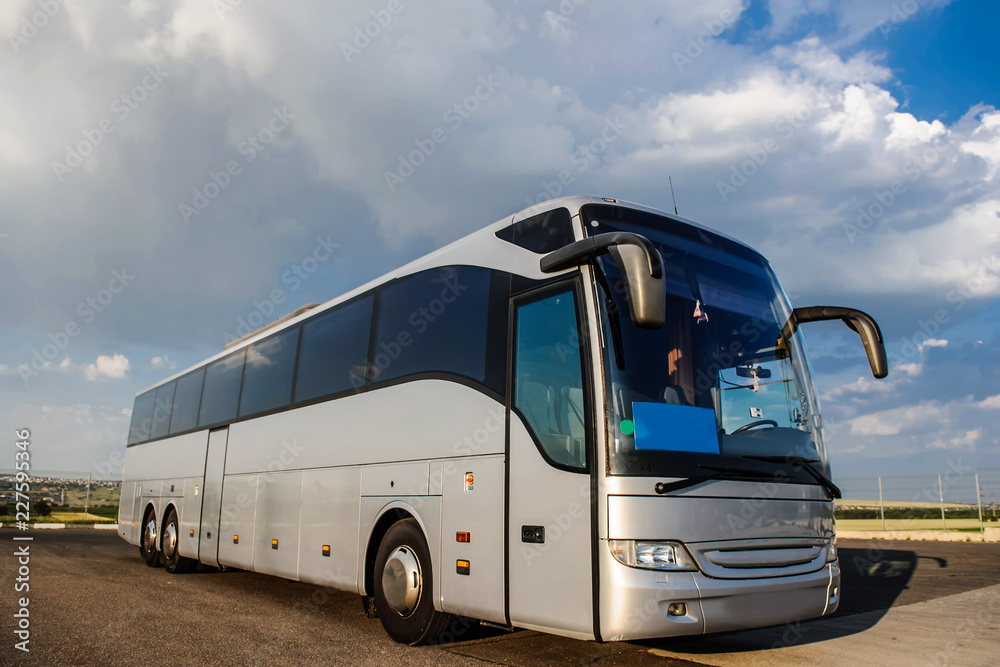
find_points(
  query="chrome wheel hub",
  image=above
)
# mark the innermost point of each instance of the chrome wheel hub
(401, 581)
(149, 535)
(170, 540)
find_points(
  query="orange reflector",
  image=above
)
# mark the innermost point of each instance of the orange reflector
(236, 539)
(192, 532)
(326, 550)
(274, 544)
(462, 567)
(463, 537)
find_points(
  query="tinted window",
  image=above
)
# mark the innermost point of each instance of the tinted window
(184, 416)
(334, 349)
(161, 410)
(541, 233)
(270, 365)
(142, 415)
(222, 390)
(434, 321)
(548, 378)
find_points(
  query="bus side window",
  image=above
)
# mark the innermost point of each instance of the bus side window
(548, 377)
(221, 394)
(267, 378)
(187, 398)
(161, 410)
(333, 351)
(142, 417)
(435, 321)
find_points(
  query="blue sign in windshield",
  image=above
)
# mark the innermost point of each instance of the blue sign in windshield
(677, 428)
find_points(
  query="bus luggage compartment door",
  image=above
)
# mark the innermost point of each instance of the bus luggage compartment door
(211, 507)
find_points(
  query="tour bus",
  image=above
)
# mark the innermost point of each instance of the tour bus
(591, 418)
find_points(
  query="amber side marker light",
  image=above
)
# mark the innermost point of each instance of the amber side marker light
(236, 539)
(462, 567)
(463, 537)
(274, 544)
(326, 550)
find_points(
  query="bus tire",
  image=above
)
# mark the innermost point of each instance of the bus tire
(147, 540)
(173, 561)
(403, 586)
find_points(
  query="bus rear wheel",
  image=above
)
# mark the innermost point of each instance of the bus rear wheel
(147, 546)
(403, 585)
(173, 561)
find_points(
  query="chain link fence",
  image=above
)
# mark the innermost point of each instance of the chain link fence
(958, 499)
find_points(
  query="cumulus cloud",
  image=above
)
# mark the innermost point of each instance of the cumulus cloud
(107, 368)
(790, 142)
(163, 362)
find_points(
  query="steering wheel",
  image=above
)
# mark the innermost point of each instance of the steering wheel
(762, 422)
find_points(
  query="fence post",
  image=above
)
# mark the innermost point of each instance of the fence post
(944, 526)
(979, 503)
(86, 507)
(881, 507)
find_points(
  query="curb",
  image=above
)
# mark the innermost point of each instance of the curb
(917, 535)
(56, 526)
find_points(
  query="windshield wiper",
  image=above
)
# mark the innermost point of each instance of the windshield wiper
(718, 472)
(805, 464)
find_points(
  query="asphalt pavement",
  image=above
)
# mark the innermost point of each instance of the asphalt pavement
(94, 602)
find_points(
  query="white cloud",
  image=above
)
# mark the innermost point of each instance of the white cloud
(163, 362)
(115, 367)
(991, 403)
(967, 441)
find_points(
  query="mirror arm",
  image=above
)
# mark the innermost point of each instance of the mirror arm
(580, 252)
(858, 321)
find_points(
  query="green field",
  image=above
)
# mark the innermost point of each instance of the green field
(908, 524)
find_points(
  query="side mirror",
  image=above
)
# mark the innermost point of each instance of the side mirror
(638, 261)
(857, 321)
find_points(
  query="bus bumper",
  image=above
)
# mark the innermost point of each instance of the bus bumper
(636, 602)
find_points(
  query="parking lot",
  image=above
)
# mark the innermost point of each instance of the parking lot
(94, 602)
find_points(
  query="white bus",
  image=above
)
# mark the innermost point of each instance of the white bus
(591, 418)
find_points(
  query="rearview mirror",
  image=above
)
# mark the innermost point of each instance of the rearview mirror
(759, 372)
(857, 321)
(639, 263)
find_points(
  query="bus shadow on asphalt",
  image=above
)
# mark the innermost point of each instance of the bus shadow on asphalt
(871, 581)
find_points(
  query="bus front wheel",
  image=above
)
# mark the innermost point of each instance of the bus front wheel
(403, 586)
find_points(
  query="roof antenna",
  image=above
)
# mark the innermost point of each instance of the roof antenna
(669, 180)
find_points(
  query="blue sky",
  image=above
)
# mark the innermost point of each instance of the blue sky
(275, 125)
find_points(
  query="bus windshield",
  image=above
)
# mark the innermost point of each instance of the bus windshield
(712, 390)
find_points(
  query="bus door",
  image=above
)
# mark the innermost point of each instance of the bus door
(211, 502)
(549, 518)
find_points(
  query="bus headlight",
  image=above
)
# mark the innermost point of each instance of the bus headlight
(652, 555)
(831, 554)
